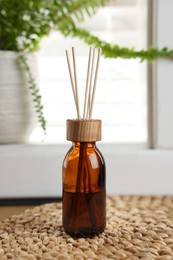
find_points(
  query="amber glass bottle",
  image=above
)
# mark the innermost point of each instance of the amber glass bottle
(84, 193)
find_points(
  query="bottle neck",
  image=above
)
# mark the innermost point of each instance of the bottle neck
(84, 144)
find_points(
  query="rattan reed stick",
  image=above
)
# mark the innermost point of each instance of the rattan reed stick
(71, 79)
(90, 85)
(87, 84)
(75, 80)
(95, 82)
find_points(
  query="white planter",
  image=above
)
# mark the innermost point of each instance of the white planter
(17, 119)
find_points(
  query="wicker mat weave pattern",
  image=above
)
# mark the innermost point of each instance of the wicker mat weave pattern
(137, 228)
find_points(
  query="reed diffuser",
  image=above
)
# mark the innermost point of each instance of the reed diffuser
(84, 192)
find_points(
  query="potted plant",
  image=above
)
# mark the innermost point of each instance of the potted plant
(23, 25)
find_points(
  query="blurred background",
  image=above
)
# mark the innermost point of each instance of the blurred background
(133, 98)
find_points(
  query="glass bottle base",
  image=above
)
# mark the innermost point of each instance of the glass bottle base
(85, 232)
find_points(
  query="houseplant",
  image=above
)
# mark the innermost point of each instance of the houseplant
(24, 23)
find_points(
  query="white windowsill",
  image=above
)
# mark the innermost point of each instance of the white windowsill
(35, 170)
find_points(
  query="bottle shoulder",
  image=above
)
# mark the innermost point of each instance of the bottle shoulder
(87, 150)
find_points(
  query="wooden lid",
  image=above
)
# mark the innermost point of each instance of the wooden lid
(83, 130)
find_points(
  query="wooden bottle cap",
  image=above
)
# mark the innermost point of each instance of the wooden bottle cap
(83, 130)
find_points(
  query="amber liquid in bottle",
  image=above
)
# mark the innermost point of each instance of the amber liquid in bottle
(84, 194)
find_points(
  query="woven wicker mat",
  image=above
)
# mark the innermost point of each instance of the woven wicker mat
(137, 228)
